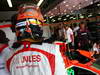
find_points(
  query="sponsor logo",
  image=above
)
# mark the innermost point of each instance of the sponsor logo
(27, 61)
(33, 58)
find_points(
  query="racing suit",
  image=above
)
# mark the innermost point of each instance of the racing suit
(35, 59)
(3, 70)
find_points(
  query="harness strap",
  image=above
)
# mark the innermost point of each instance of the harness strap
(26, 44)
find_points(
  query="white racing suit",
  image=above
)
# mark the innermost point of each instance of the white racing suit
(3, 70)
(35, 59)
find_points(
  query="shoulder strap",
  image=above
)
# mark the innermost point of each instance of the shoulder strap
(26, 44)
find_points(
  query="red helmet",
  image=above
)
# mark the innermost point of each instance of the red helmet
(29, 22)
(29, 11)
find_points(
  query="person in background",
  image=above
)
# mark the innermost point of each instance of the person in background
(76, 28)
(3, 44)
(61, 33)
(69, 36)
(29, 55)
(83, 37)
(96, 47)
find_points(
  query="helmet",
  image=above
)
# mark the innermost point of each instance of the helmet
(29, 10)
(29, 23)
